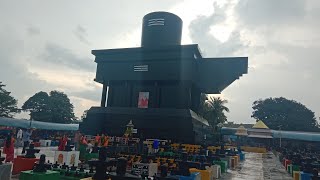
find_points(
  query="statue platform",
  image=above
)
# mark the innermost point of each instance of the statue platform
(30, 175)
(23, 164)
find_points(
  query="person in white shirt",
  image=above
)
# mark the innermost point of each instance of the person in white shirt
(19, 137)
(26, 139)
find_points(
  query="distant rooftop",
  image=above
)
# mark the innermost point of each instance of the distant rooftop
(232, 125)
(260, 125)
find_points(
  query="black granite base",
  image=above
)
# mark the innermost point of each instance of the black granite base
(179, 125)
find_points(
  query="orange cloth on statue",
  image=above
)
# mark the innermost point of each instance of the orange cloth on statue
(97, 140)
(104, 141)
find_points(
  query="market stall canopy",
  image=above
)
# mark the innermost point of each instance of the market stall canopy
(297, 135)
(23, 123)
(262, 136)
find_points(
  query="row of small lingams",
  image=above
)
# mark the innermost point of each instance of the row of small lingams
(119, 164)
(300, 162)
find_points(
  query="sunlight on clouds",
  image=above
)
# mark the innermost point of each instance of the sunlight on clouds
(221, 32)
(81, 104)
(67, 79)
(268, 58)
(131, 39)
(189, 10)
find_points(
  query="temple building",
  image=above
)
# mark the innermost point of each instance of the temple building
(157, 86)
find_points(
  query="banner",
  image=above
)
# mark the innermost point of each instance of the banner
(143, 100)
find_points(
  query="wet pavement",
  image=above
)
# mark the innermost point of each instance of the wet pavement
(258, 166)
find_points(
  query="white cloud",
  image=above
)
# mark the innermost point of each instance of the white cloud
(281, 47)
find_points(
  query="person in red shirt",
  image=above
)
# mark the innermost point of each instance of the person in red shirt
(8, 148)
(97, 140)
(63, 143)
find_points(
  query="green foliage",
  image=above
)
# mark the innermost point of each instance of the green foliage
(213, 109)
(84, 115)
(8, 105)
(289, 114)
(54, 107)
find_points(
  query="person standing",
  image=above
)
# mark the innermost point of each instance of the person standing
(19, 137)
(76, 140)
(8, 148)
(26, 139)
(97, 140)
(82, 148)
(155, 146)
(63, 143)
(104, 140)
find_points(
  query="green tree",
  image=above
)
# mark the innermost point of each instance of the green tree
(61, 107)
(289, 114)
(39, 107)
(54, 107)
(84, 115)
(8, 105)
(213, 109)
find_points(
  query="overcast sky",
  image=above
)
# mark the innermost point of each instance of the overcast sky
(46, 45)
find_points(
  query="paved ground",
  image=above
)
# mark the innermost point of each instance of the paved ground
(258, 166)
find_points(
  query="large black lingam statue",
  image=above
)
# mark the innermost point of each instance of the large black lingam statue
(31, 151)
(42, 166)
(101, 165)
(158, 85)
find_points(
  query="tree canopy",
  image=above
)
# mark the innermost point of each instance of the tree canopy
(8, 104)
(288, 114)
(53, 107)
(213, 109)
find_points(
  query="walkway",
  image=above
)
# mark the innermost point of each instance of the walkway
(258, 166)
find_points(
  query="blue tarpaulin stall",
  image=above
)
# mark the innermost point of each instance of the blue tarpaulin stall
(23, 123)
(295, 135)
(304, 136)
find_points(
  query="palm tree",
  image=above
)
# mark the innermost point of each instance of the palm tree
(214, 110)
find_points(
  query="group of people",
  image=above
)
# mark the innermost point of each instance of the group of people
(10, 142)
(98, 141)
(19, 137)
(82, 144)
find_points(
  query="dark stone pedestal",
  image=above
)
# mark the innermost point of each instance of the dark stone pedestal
(181, 125)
